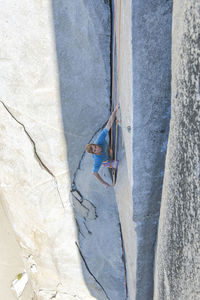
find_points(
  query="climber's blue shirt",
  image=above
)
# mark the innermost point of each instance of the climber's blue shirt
(98, 159)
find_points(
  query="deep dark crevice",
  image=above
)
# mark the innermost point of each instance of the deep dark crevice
(88, 269)
(124, 261)
(111, 55)
(111, 49)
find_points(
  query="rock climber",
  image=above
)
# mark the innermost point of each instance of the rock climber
(98, 150)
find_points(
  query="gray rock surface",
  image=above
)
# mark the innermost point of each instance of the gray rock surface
(98, 228)
(82, 35)
(55, 78)
(177, 262)
(85, 101)
(146, 96)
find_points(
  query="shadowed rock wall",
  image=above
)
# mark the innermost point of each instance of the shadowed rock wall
(83, 37)
(178, 261)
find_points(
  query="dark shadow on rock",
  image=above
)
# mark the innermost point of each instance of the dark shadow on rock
(82, 36)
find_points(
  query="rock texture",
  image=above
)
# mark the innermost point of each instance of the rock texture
(151, 113)
(77, 239)
(55, 80)
(177, 263)
(11, 260)
(145, 42)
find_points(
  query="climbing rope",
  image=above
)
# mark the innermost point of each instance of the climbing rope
(116, 133)
(117, 83)
(113, 74)
(118, 70)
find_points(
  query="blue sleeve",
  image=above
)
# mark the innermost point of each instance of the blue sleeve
(96, 168)
(97, 163)
(102, 137)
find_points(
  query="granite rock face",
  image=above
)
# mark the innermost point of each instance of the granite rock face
(151, 113)
(77, 239)
(55, 79)
(177, 259)
(145, 74)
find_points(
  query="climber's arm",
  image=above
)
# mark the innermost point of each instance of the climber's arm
(111, 119)
(96, 174)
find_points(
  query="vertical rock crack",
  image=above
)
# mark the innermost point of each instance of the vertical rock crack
(124, 262)
(35, 150)
(87, 267)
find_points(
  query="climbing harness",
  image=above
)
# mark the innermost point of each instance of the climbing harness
(110, 163)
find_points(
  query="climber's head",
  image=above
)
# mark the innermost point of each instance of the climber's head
(93, 149)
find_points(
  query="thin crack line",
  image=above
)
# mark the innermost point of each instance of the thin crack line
(57, 292)
(87, 228)
(81, 203)
(35, 150)
(79, 228)
(33, 143)
(124, 262)
(35, 120)
(90, 271)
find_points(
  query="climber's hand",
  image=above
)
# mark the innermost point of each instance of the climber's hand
(107, 184)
